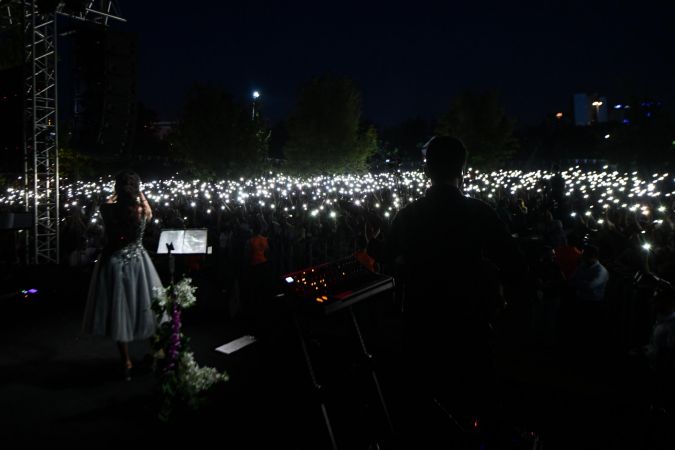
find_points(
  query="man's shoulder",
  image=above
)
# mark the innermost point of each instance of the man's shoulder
(412, 209)
(478, 203)
(482, 209)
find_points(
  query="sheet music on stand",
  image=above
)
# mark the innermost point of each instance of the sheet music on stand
(184, 242)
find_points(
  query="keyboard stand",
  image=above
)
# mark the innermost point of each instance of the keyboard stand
(319, 389)
(369, 361)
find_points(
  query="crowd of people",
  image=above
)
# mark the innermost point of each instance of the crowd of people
(597, 246)
(626, 220)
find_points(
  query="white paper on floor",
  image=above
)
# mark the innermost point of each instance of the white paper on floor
(237, 344)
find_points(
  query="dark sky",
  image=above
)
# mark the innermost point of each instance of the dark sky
(409, 57)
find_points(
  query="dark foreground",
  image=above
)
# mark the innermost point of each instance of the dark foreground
(66, 390)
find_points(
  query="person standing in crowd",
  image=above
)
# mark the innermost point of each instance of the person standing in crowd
(588, 284)
(121, 287)
(590, 279)
(660, 351)
(568, 256)
(258, 274)
(448, 247)
(362, 256)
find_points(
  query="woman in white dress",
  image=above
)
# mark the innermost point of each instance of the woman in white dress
(121, 288)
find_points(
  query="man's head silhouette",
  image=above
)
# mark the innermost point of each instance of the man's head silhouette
(445, 159)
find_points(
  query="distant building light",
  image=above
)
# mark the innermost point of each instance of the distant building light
(649, 114)
(626, 121)
(626, 107)
(619, 106)
(559, 115)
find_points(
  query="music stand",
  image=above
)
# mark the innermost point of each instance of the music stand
(182, 242)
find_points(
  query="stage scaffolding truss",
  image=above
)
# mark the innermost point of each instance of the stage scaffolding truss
(40, 108)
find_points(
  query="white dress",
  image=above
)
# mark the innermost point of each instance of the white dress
(120, 293)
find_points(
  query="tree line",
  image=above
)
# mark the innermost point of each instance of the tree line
(325, 133)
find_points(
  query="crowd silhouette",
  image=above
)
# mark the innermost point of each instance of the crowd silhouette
(595, 281)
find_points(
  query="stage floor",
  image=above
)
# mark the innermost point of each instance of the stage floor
(59, 386)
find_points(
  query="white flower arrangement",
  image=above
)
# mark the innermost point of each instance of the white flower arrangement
(181, 379)
(181, 293)
(198, 378)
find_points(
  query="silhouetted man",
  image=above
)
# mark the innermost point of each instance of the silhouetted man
(453, 250)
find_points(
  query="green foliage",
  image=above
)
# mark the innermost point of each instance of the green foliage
(479, 120)
(216, 135)
(74, 165)
(324, 129)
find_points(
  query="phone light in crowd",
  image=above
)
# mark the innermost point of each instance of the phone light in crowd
(289, 280)
(558, 115)
(607, 136)
(662, 209)
(256, 94)
(573, 214)
(647, 246)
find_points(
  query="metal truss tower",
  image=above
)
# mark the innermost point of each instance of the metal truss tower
(41, 134)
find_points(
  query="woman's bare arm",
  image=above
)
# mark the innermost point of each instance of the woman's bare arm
(146, 207)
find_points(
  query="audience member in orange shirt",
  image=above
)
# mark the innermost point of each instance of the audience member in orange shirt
(568, 257)
(259, 247)
(362, 255)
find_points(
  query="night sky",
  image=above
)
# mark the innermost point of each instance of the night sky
(409, 58)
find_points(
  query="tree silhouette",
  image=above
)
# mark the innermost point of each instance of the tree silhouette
(479, 120)
(216, 135)
(324, 129)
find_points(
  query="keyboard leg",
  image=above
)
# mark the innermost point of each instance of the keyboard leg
(318, 389)
(369, 359)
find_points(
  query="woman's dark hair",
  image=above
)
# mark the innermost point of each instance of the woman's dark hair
(128, 190)
(127, 186)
